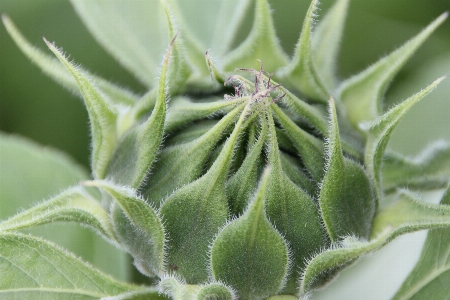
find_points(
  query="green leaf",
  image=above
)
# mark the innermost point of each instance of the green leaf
(101, 114)
(72, 205)
(241, 186)
(429, 277)
(406, 215)
(140, 26)
(248, 254)
(346, 196)
(262, 43)
(301, 72)
(138, 227)
(292, 211)
(326, 40)
(226, 19)
(33, 268)
(181, 164)
(52, 172)
(215, 291)
(428, 170)
(173, 287)
(309, 147)
(363, 93)
(379, 131)
(182, 111)
(54, 69)
(194, 213)
(136, 151)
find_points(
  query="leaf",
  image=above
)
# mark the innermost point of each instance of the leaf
(33, 268)
(101, 114)
(138, 227)
(54, 69)
(362, 94)
(247, 248)
(346, 196)
(262, 43)
(379, 131)
(292, 211)
(241, 186)
(428, 170)
(325, 42)
(194, 213)
(309, 147)
(182, 111)
(429, 277)
(181, 164)
(173, 287)
(140, 26)
(72, 205)
(300, 72)
(136, 151)
(51, 172)
(406, 215)
(190, 133)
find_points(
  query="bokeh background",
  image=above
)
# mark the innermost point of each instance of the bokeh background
(33, 106)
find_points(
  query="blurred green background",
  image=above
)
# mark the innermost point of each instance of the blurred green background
(33, 105)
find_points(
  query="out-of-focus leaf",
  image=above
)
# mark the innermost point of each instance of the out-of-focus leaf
(215, 291)
(262, 43)
(301, 72)
(380, 130)
(429, 278)
(45, 172)
(326, 40)
(101, 114)
(144, 294)
(362, 94)
(34, 268)
(140, 26)
(429, 170)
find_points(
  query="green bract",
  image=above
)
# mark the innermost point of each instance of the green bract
(246, 176)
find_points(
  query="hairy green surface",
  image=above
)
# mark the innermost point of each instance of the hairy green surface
(228, 179)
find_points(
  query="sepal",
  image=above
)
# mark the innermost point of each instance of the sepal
(248, 254)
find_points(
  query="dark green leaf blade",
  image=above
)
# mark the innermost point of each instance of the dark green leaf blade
(33, 268)
(247, 248)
